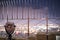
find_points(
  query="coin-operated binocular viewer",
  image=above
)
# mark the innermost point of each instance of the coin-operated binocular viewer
(9, 27)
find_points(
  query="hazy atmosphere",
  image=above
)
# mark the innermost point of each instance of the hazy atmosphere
(35, 14)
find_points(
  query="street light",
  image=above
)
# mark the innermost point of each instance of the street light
(9, 27)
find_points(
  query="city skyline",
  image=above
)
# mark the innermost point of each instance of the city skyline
(34, 11)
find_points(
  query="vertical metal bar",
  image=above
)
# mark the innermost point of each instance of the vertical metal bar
(34, 2)
(22, 8)
(38, 9)
(7, 9)
(30, 2)
(17, 8)
(12, 7)
(2, 10)
(47, 23)
(7, 17)
(28, 21)
(28, 16)
(14, 3)
(53, 9)
(38, 14)
(34, 13)
(46, 20)
(25, 3)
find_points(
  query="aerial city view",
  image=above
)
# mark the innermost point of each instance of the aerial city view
(29, 20)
